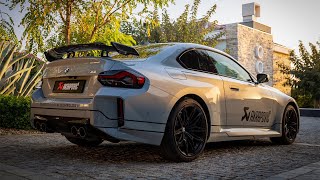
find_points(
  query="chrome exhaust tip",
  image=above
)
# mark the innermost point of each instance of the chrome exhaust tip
(82, 132)
(74, 130)
(43, 127)
(37, 125)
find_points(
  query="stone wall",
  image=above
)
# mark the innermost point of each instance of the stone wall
(231, 31)
(241, 44)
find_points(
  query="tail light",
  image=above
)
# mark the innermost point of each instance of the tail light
(121, 78)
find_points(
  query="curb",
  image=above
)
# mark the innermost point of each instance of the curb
(309, 112)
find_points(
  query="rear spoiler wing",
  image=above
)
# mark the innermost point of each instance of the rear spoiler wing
(59, 52)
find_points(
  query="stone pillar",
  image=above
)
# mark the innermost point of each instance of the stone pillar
(243, 43)
(231, 33)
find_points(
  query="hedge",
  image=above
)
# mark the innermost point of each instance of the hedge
(15, 112)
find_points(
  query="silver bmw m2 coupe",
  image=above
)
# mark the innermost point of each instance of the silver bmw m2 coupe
(178, 96)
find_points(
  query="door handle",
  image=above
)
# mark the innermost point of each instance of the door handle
(234, 88)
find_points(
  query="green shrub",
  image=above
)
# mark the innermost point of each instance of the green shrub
(304, 100)
(15, 112)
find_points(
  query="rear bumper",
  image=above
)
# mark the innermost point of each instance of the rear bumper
(100, 113)
(144, 132)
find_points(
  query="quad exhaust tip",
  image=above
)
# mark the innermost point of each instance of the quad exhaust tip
(79, 132)
(41, 126)
(82, 132)
(37, 125)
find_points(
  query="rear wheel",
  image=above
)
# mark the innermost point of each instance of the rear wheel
(186, 132)
(84, 142)
(289, 127)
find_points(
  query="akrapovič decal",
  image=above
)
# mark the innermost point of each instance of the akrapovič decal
(255, 116)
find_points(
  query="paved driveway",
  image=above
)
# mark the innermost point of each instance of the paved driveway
(50, 155)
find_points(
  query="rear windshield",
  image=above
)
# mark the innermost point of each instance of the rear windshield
(145, 51)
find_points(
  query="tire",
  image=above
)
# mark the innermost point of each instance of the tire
(84, 142)
(290, 127)
(186, 132)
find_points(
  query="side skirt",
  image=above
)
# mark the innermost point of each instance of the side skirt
(230, 134)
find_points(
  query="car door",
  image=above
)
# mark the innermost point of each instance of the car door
(201, 69)
(259, 111)
(247, 103)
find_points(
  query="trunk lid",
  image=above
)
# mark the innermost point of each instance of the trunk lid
(62, 77)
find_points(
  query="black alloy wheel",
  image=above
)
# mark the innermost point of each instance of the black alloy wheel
(290, 127)
(186, 132)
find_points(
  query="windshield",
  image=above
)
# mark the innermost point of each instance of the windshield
(145, 51)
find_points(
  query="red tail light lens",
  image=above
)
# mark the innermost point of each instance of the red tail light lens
(125, 79)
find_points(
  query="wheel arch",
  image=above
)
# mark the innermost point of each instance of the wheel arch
(203, 105)
(297, 109)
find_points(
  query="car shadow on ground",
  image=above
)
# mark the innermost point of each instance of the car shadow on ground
(135, 152)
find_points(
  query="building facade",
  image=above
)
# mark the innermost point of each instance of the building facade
(281, 56)
(251, 43)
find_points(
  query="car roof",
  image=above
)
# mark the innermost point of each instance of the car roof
(186, 46)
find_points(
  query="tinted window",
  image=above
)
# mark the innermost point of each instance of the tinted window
(198, 60)
(227, 67)
(190, 59)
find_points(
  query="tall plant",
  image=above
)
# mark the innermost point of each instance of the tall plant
(305, 75)
(20, 72)
(186, 28)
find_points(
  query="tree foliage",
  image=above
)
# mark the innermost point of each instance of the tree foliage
(6, 26)
(186, 28)
(61, 22)
(305, 75)
(85, 30)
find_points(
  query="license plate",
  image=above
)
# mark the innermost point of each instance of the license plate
(70, 86)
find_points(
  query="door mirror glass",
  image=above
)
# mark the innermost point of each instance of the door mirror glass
(262, 78)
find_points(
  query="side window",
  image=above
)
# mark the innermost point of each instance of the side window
(198, 60)
(190, 59)
(206, 63)
(227, 67)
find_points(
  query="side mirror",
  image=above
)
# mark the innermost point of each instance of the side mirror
(262, 78)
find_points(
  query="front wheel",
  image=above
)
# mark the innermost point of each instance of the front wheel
(186, 132)
(290, 127)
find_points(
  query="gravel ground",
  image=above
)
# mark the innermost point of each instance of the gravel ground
(54, 156)
(10, 131)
